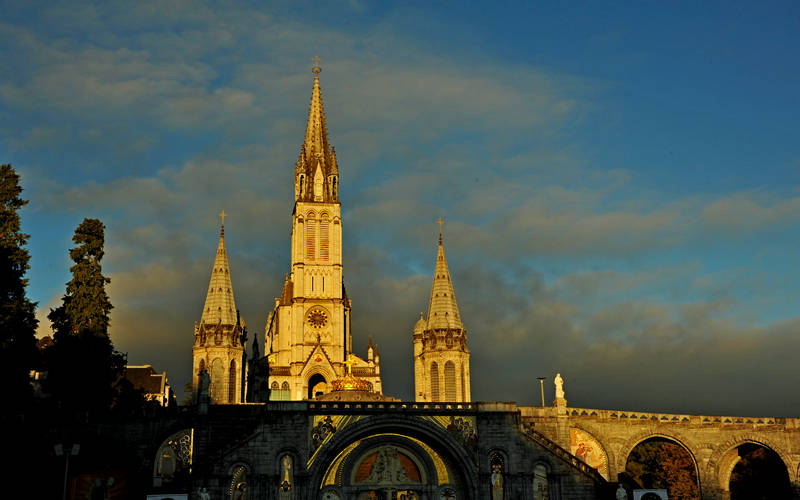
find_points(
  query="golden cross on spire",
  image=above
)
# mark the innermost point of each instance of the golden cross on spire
(350, 362)
(316, 69)
(441, 223)
(223, 215)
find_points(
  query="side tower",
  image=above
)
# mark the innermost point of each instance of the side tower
(441, 357)
(308, 335)
(218, 337)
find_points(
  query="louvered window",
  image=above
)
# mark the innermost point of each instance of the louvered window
(311, 240)
(324, 243)
(434, 382)
(449, 381)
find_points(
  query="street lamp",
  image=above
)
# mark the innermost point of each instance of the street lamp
(541, 385)
(59, 449)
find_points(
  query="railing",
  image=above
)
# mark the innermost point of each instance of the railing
(560, 452)
(384, 406)
(670, 418)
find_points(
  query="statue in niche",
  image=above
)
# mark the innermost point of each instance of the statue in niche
(203, 494)
(621, 493)
(286, 488)
(559, 386)
(497, 477)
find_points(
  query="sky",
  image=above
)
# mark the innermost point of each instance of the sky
(620, 181)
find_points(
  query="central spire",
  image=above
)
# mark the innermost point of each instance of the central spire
(316, 142)
(316, 171)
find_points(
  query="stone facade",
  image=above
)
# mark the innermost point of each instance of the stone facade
(308, 333)
(387, 449)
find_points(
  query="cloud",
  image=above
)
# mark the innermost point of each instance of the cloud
(739, 213)
(154, 118)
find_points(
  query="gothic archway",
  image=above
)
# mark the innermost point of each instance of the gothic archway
(425, 461)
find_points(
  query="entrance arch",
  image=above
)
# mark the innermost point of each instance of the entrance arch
(317, 385)
(425, 461)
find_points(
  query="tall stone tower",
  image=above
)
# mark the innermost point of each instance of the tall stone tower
(308, 334)
(219, 336)
(441, 357)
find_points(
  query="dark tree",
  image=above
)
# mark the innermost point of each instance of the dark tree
(760, 474)
(18, 353)
(85, 373)
(85, 307)
(659, 463)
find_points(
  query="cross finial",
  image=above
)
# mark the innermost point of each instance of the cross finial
(316, 69)
(349, 363)
(223, 215)
(441, 223)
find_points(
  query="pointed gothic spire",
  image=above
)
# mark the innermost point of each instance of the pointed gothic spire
(220, 306)
(316, 142)
(443, 310)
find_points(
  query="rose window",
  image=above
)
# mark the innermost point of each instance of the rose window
(317, 318)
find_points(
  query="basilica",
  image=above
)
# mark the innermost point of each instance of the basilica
(295, 414)
(307, 418)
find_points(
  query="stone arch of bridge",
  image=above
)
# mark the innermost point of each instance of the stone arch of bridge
(600, 436)
(682, 441)
(725, 457)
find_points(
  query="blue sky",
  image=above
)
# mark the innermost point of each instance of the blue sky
(619, 180)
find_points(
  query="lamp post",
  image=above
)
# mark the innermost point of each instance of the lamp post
(59, 449)
(541, 385)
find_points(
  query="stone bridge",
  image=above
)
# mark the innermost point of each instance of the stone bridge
(711, 441)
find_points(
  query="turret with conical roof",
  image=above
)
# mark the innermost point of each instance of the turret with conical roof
(220, 306)
(441, 357)
(218, 345)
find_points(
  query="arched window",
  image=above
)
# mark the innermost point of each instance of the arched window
(449, 381)
(200, 369)
(238, 488)
(463, 384)
(217, 379)
(232, 382)
(274, 393)
(311, 237)
(540, 486)
(434, 381)
(285, 393)
(324, 243)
